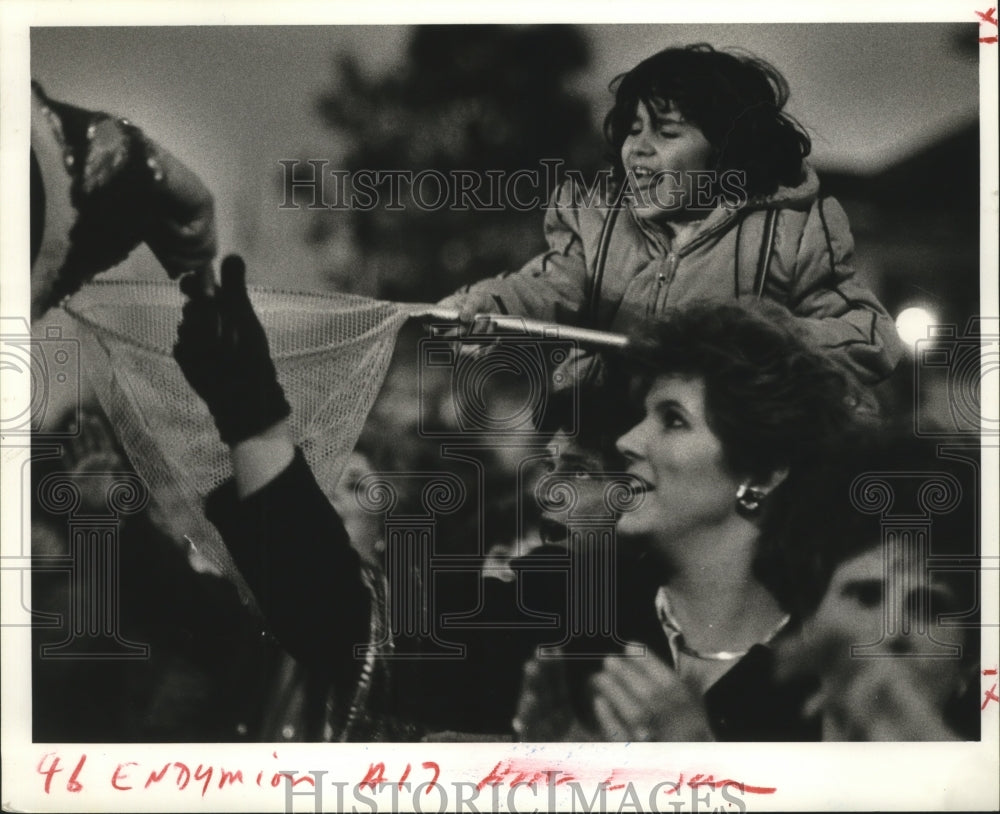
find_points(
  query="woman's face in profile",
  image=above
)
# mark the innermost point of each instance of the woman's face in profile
(681, 465)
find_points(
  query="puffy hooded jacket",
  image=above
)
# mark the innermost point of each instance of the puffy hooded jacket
(792, 247)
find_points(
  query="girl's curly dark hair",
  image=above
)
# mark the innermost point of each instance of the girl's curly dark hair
(737, 102)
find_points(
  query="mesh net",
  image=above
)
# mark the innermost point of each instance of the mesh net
(331, 351)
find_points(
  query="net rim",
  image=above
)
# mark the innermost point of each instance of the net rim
(100, 329)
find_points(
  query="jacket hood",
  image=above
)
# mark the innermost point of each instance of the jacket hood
(800, 195)
(804, 192)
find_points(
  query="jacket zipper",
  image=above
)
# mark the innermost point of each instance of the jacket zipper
(704, 236)
(663, 281)
(698, 239)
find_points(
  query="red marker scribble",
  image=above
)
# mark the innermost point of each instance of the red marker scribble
(375, 776)
(524, 773)
(73, 784)
(989, 16)
(711, 782)
(430, 764)
(121, 775)
(700, 780)
(991, 693)
(611, 783)
(232, 778)
(513, 773)
(156, 777)
(296, 780)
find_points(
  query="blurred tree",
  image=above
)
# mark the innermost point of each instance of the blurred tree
(466, 100)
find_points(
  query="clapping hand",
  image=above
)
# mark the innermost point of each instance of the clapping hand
(633, 698)
(545, 710)
(882, 697)
(641, 698)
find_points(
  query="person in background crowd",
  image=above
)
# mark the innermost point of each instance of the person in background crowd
(208, 666)
(890, 663)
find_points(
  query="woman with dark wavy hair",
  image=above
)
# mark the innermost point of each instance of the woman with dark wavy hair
(710, 198)
(736, 407)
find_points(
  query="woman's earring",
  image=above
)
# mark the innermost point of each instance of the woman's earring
(748, 499)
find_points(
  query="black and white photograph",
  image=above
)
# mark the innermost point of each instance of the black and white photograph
(482, 410)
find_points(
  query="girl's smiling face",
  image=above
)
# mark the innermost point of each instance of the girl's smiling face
(659, 154)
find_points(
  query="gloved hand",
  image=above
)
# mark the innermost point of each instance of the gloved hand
(122, 189)
(180, 226)
(224, 354)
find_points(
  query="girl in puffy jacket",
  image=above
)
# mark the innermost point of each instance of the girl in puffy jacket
(711, 199)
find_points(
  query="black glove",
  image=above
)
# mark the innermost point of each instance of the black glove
(124, 189)
(222, 350)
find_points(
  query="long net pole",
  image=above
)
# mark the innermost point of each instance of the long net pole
(524, 325)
